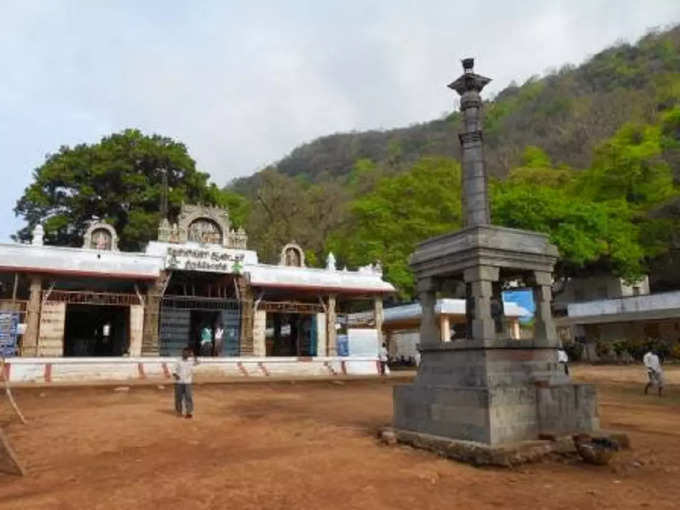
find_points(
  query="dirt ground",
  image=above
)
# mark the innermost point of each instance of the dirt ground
(311, 445)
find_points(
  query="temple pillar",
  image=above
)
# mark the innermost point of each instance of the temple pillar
(516, 333)
(544, 327)
(479, 284)
(29, 344)
(427, 295)
(247, 303)
(379, 317)
(445, 327)
(331, 333)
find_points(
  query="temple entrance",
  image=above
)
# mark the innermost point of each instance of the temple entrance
(96, 330)
(195, 302)
(290, 334)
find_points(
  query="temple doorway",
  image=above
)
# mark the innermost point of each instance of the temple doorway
(96, 330)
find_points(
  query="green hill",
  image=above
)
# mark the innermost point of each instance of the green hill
(596, 148)
(567, 113)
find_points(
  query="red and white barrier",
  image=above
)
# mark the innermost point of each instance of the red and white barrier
(83, 370)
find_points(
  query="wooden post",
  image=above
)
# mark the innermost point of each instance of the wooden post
(29, 346)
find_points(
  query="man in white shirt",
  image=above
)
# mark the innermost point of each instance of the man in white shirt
(383, 356)
(563, 359)
(654, 371)
(183, 373)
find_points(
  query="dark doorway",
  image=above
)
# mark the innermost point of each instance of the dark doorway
(291, 335)
(95, 330)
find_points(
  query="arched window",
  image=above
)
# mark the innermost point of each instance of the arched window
(205, 231)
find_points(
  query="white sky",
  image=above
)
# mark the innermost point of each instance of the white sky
(243, 83)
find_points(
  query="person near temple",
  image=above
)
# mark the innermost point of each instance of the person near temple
(206, 341)
(383, 357)
(183, 374)
(563, 359)
(219, 340)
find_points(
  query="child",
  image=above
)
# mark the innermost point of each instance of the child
(183, 383)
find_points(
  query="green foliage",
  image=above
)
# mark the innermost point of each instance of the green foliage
(386, 225)
(586, 233)
(535, 157)
(117, 180)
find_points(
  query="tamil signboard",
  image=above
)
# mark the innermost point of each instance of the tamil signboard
(212, 260)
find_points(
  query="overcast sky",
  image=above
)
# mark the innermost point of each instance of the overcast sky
(243, 83)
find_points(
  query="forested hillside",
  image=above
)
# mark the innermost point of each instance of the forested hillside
(588, 154)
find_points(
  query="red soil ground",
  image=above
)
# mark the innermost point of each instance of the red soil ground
(311, 445)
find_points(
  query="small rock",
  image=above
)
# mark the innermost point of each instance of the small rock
(122, 388)
(637, 464)
(339, 383)
(43, 394)
(617, 481)
(160, 387)
(591, 492)
(388, 437)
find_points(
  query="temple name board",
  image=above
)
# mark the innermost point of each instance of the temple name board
(199, 259)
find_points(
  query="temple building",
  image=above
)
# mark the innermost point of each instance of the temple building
(198, 276)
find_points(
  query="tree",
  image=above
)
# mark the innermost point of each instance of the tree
(386, 224)
(284, 209)
(590, 236)
(118, 180)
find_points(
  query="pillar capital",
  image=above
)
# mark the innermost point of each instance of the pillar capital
(481, 273)
(427, 285)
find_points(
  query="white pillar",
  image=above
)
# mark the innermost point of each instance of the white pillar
(515, 329)
(330, 329)
(260, 333)
(379, 317)
(445, 327)
(320, 334)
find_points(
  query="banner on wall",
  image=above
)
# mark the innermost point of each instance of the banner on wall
(9, 332)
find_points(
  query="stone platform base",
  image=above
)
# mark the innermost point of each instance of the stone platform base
(480, 454)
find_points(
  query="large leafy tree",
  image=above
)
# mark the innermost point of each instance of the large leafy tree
(119, 180)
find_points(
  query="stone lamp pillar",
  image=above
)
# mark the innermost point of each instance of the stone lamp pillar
(486, 390)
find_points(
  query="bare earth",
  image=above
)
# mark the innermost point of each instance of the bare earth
(311, 445)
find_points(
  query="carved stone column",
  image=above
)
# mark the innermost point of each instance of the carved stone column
(331, 333)
(427, 295)
(152, 308)
(29, 345)
(544, 327)
(247, 315)
(479, 281)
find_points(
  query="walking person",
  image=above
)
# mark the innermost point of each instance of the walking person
(219, 343)
(383, 356)
(183, 373)
(654, 371)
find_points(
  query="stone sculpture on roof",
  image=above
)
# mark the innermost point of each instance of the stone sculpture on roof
(292, 255)
(204, 225)
(100, 236)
